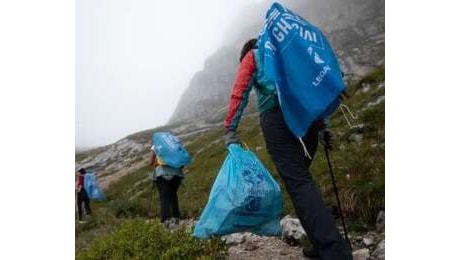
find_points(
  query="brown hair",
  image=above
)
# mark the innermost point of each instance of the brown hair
(249, 45)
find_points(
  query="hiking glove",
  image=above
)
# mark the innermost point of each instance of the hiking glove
(326, 139)
(231, 138)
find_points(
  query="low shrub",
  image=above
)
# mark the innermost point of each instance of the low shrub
(124, 207)
(141, 239)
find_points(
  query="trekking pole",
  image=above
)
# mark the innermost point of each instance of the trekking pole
(336, 191)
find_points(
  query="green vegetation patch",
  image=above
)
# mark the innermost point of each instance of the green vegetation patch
(141, 239)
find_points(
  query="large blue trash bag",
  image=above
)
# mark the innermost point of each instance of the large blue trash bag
(295, 59)
(170, 150)
(92, 188)
(244, 197)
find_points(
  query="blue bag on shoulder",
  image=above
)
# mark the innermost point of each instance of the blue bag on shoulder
(244, 197)
(170, 150)
(295, 58)
(92, 188)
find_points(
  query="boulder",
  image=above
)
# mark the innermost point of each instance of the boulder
(292, 231)
(379, 251)
(235, 238)
(367, 241)
(361, 254)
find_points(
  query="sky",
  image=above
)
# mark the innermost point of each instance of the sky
(135, 58)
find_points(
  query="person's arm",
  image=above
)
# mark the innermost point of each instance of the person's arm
(153, 159)
(240, 94)
(325, 133)
(323, 124)
(79, 183)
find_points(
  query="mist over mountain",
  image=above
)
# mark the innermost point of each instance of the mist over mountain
(355, 29)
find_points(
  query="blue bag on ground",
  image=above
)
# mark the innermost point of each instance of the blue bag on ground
(294, 58)
(92, 188)
(244, 197)
(170, 150)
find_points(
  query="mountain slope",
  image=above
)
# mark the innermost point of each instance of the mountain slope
(358, 160)
(359, 156)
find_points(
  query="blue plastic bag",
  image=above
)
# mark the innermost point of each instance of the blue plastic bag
(244, 197)
(295, 58)
(92, 188)
(170, 150)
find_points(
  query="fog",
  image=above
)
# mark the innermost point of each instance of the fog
(135, 58)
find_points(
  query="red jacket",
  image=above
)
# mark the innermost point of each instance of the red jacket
(240, 91)
(80, 182)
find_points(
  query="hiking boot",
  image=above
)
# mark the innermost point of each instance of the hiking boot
(310, 252)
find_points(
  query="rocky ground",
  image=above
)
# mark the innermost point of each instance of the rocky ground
(366, 245)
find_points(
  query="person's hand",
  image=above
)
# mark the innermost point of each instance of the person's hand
(231, 138)
(326, 138)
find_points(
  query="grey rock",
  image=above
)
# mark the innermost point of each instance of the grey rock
(367, 241)
(380, 223)
(264, 248)
(361, 254)
(292, 231)
(356, 138)
(379, 251)
(355, 134)
(359, 127)
(175, 224)
(235, 238)
(365, 87)
(188, 224)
